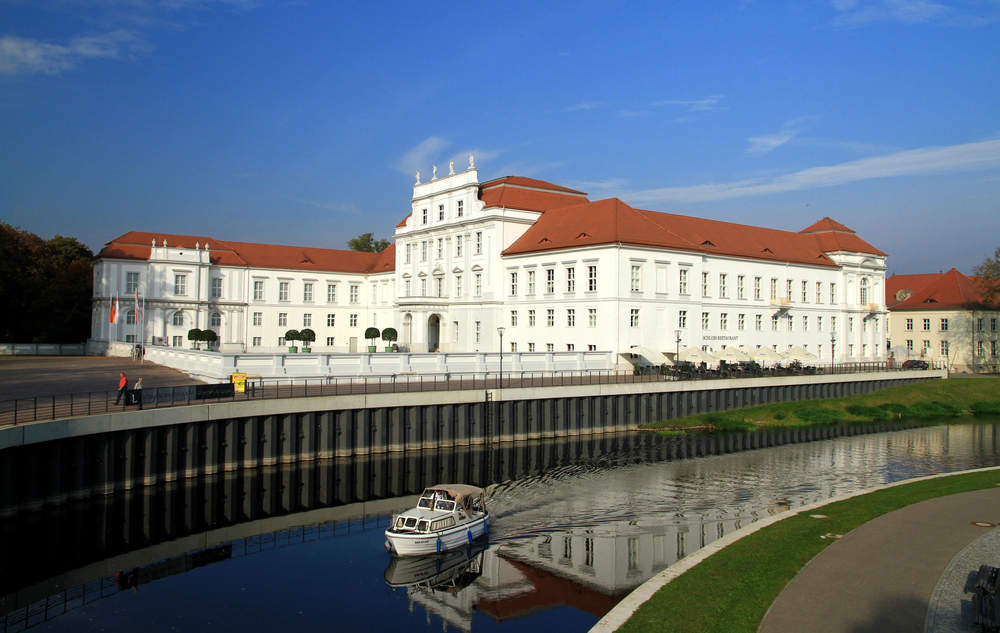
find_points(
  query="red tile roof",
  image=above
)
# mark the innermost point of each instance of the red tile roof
(614, 222)
(952, 290)
(515, 192)
(138, 245)
(909, 283)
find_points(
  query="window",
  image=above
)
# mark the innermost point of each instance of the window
(682, 282)
(944, 325)
(682, 318)
(283, 291)
(591, 278)
(864, 325)
(256, 341)
(406, 288)
(833, 324)
(550, 280)
(132, 283)
(215, 320)
(570, 279)
(569, 347)
(927, 325)
(805, 324)
(722, 285)
(513, 318)
(281, 341)
(307, 320)
(423, 216)
(440, 286)
(215, 292)
(440, 249)
(704, 320)
(550, 317)
(180, 284)
(407, 259)
(979, 324)
(458, 246)
(805, 291)
(819, 324)
(479, 242)
(423, 287)
(458, 285)
(177, 341)
(774, 288)
(440, 212)
(980, 350)
(423, 251)
(774, 322)
(531, 282)
(944, 348)
(791, 323)
(549, 347)
(355, 291)
(479, 331)
(513, 284)
(864, 290)
(704, 284)
(724, 321)
(531, 318)
(479, 284)
(353, 320)
(758, 322)
(993, 325)
(926, 350)
(756, 288)
(591, 348)
(329, 341)
(460, 210)
(833, 292)
(570, 317)
(331, 293)
(531, 347)
(592, 317)
(634, 317)
(636, 279)
(258, 290)
(513, 347)
(282, 319)
(850, 324)
(130, 317)
(741, 323)
(909, 325)
(258, 318)
(331, 320)
(178, 318)
(909, 346)
(819, 295)
(788, 290)
(307, 292)
(454, 331)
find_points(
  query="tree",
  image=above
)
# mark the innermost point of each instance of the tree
(293, 335)
(307, 336)
(194, 334)
(372, 333)
(989, 279)
(389, 335)
(367, 243)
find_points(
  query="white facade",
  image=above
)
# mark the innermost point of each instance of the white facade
(452, 286)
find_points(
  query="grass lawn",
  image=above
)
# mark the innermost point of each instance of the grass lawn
(732, 589)
(933, 398)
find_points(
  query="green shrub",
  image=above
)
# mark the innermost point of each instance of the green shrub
(780, 415)
(934, 409)
(819, 415)
(869, 413)
(726, 423)
(897, 409)
(984, 406)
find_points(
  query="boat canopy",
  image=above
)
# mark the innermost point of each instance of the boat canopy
(462, 494)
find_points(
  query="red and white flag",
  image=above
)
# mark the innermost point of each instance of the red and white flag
(114, 310)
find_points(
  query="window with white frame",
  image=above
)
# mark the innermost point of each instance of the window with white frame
(407, 251)
(636, 278)
(258, 290)
(550, 317)
(819, 293)
(132, 283)
(513, 284)
(741, 287)
(723, 321)
(850, 324)
(281, 341)
(329, 341)
(283, 291)
(682, 318)
(833, 292)
(479, 284)
(704, 284)
(756, 288)
(944, 325)
(805, 291)
(331, 293)
(864, 290)
(927, 325)
(130, 317)
(570, 347)
(722, 285)
(353, 320)
(570, 279)
(550, 347)
(423, 287)
(458, 286)
(458, 246)
(454, 331)
(944, 348)
(406, 288)
(258, 318)
(550, 280)
(215, 320)
(440, 212)
(819, 324)
(791, 323)
(570, 317)
(531, 282)
(215, 292)
(180, 284)
(423, 216)
(177, 341)
(833, 324)
(591, 348)
(591, 278)
(307, 320)
(531, 318)
(423, 251)
(440, 286)
(774, 322)
(758, 322)
(774, 288)
(513, 347)
(682, 281)
(634, 317)
(282, 319)
(805, 324)
(440, 248)
(178, 318)
(531, 347)
(479, 242)
(307, 291)
(741, 322)
(479, 331)
(513, 318)
(355, 293)
(909, 325)
(460, 208)
(592, 317)
(256, 341)
(331, 320)
(788, 289)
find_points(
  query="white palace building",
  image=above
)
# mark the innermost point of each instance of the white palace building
(560, 273)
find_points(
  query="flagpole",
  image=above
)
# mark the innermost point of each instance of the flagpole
(142, 343)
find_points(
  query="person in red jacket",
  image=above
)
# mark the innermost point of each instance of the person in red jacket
(122, 386)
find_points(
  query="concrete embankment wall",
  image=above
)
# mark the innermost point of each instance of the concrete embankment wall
(121, 451)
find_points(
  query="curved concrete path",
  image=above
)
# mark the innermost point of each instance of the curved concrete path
(883, 576)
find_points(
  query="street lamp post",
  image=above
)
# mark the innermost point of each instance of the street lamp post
(833, 344)
(500, 331)
(677, 354)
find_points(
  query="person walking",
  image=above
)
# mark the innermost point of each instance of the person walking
(138, 397)
(122, 386)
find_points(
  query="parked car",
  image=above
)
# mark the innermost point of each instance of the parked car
(915, 364)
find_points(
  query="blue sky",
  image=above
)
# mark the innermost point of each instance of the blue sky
(303, 122)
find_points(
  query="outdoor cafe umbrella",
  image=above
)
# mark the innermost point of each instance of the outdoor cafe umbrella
(732, 355)
(695, 355)
(765, 355)
(799, 353)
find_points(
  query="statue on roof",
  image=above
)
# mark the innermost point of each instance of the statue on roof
(434, 175)
(418, 178)
(451, 168)
(472, 161)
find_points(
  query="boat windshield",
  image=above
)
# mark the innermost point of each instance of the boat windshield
(441, 504)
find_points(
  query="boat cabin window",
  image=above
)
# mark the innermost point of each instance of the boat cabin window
(410, 522)
(441, 524)
(477, 504)
(444, 505)
(422, 526)
(425, 502)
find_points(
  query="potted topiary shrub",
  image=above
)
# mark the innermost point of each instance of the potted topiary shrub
(194, 335)
(307, 336)
(389, 336)
(371, 334)
(290, 337)
(209, 336)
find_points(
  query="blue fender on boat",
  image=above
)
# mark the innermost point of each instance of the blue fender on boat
(486, 527)
(470, 537)
(439, 544)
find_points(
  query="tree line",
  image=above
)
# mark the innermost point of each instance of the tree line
(46, 288)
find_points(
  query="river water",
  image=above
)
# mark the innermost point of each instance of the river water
(572, 535)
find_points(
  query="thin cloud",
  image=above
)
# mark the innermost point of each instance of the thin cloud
(20, 55)
(926, 161)
(854, 13)
(767, 143)
(347, 208)
(421, 156)
(586, 105)
(700, 105)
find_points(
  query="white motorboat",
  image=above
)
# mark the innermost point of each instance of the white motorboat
(447, 516)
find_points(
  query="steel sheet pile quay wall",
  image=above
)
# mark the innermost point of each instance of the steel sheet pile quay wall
(123, 451)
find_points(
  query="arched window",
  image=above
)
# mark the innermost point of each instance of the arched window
(864, 290)
(215, 320)
(130, 317)
(178, 318)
